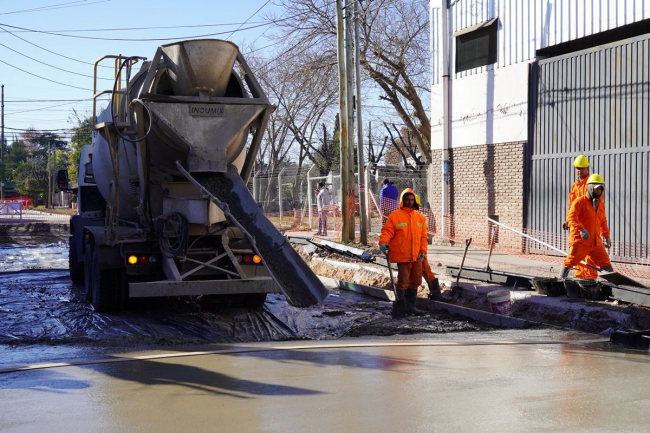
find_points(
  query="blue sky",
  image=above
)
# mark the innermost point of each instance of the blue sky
(34, 101)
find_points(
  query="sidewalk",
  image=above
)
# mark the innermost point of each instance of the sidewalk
(441, 256)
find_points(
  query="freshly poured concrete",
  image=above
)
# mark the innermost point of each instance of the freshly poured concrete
(452, 386)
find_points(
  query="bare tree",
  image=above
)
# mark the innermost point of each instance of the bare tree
(304, 89)
(394, 51)
(407, 150)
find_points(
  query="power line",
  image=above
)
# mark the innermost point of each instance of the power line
(46, 79)
(40, 109)
(136, 39)
(50, 51)
(52, 7)
(47, 100)
(52, 66)
(254, 13)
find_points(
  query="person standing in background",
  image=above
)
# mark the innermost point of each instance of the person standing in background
(387, 200)
(322, 203)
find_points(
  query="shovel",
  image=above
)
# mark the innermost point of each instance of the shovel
(399, 305)
(460, 270)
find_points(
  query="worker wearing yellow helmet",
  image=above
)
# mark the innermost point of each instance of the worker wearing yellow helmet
(578, 189)
(588, 224)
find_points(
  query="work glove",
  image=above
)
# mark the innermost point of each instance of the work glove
(607, 243)
(565, 226)
(384, 248)
(584, 234)
(421, 257)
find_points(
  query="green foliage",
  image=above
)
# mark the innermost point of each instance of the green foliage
(81, 135)
(37, 154)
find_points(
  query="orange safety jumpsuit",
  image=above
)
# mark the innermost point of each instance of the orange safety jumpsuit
(578, 189)
(582, 215)
(405, 232)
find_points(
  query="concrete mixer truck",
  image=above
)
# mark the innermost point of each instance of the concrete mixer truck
(163, 203)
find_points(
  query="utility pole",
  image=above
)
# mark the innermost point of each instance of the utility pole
(363, 216)
(48, 202)
(348, 12)
(343, 122)
(2, 147)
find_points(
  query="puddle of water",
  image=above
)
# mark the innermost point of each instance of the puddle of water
(35, 256)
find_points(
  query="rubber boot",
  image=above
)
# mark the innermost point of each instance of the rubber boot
(608, 268)
(434, 290)
(410, 297)
(564, 272)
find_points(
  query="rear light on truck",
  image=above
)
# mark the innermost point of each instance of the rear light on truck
(248, 258)
(141, 260)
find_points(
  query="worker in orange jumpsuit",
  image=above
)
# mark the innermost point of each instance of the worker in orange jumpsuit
(404, 237)
(432, 281)
(578, 189)
(588, 223)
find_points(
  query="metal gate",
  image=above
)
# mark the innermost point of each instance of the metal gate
(594, 102)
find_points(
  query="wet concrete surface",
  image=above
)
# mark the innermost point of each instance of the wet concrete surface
(39, 305)
(285, 369)
(435, 384)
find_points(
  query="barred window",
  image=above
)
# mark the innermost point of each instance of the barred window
(476, 46)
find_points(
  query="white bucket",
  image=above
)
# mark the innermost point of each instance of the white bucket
(500, 302)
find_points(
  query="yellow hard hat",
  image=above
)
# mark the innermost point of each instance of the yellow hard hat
(581, 161)
(596, 178)
(417, 199)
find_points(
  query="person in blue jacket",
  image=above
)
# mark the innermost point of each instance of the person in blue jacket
(387, 200)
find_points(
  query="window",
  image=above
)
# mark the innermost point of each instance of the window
(476, 46)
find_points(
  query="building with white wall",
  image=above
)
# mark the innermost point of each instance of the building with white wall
(521, 87)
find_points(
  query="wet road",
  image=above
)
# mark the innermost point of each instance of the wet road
(282, 369)
(441, 384)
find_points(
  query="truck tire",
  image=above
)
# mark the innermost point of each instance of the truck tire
(88, 273)
(106, 287)
(254, 301)
(76, 267)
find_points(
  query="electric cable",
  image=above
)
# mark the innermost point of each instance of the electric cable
(53, 7)
(50, 51)
(173, 225)
(52, 66)
(43, 78)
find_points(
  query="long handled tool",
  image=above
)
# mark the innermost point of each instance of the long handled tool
(399, 305)
(467, 242)
(612, 277)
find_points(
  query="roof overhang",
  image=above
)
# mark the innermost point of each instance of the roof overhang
(475, 27)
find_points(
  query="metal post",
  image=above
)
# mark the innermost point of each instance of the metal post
(343, 121)
(48, 202)
(446, 121)
(280, 192)
(309, 194)
(363, 212)
(367, 200)
(349, 92)
(2, 147)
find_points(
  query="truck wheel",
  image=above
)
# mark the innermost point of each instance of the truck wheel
(76, 267)
(88, 272)
(255, 300)
(106, 287)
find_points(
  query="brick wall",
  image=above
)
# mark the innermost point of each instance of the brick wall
(484, 180)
